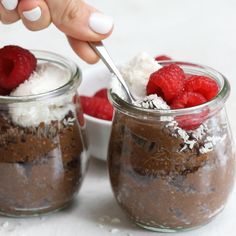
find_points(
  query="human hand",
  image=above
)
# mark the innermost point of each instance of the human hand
(80, 22)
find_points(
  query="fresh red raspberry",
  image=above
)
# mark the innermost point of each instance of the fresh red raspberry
(102, 93)
(187, 76)
(168, 82)
(163, 58)
(206, 86)
(4, 92)
(188, 99)
(97, 107)
(16, 66)
(193, 121)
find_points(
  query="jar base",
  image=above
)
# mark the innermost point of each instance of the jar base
(176, 230)
(165, 230)
(36, 212)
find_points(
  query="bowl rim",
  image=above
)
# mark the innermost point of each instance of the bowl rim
(97, 120)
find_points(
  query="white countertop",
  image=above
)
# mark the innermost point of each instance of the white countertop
(198, 31)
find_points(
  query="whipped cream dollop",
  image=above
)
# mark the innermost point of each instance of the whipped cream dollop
(47, 77)
(136, 74)
(137, 71)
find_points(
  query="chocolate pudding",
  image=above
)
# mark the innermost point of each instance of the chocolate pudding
(41, 168)
(166, 178)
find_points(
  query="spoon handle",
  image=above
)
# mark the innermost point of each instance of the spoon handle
(101, 51)
(99, 48)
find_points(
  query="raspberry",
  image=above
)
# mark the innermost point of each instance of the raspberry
(188, 99)
(163, 58)
(102, 93)
(4, 92)
(193, 121)
(16, 66)
(97, 107)
(168, 82)
(187, 76)
(206, 86)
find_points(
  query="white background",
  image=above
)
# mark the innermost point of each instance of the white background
(201, 31)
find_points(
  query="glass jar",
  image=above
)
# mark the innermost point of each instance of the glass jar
(167, 178)
(42, 149)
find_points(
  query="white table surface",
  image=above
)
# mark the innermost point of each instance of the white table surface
(202, 31)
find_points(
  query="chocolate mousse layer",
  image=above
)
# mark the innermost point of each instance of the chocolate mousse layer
(164, 177)
(41, 168)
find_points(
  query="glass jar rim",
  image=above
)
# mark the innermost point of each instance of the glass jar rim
(216, 103)
(47, 56)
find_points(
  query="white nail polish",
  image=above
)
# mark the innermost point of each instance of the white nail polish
(100, 23)
(9, 4)
(32, 15)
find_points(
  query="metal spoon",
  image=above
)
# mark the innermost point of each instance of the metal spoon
(100, 49)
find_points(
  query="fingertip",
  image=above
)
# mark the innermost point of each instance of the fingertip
(8, 17)
(34, 14)
(80, 20)
(101, 23)
(83, 50)
(9, 5)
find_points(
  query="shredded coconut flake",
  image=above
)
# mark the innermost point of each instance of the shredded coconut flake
(207, 147)
(69, 121)
(152, 102)
(192, 138)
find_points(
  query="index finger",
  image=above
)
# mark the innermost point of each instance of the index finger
(8, 11)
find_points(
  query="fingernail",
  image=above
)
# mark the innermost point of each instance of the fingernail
(100, 23)
(32, 15)
(9, 4)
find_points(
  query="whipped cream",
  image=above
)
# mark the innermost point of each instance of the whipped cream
(47, 77)
(137, 72)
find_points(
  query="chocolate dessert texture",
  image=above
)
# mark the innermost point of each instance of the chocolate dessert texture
(40, 167)
(164, 177)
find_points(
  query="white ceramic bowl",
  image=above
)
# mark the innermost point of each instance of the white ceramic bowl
(97, 130)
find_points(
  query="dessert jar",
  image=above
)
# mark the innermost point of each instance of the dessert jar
(167, 178)
(42, 148)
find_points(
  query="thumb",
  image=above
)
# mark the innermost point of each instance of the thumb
(79, 20)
